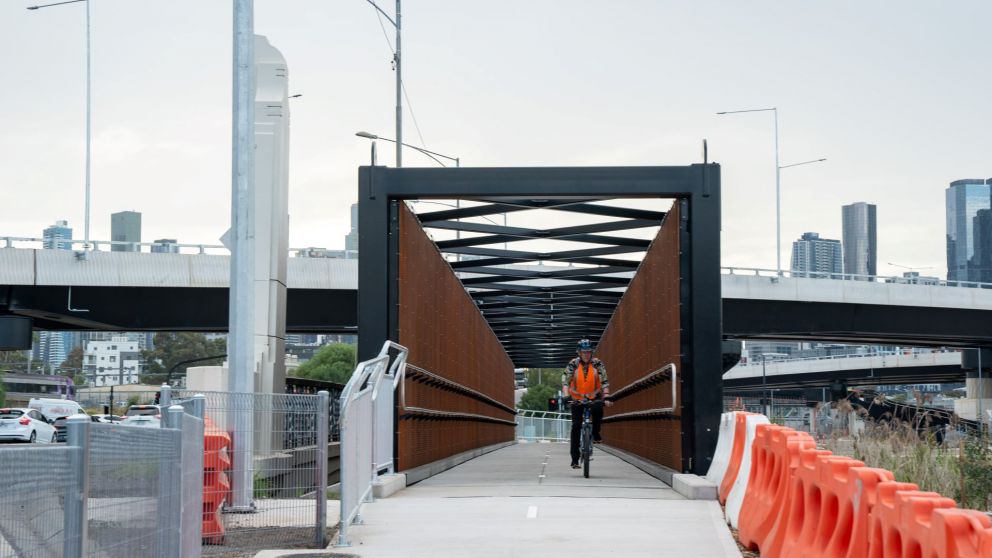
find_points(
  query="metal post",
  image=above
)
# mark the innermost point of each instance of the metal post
(399, 91)
(981, 392)
(764, 386)
(75, 520)
(323, 440)
(778, 203)
(165, 397)
(241, 349)
(86, 223)
(199, 406)
(172, 487)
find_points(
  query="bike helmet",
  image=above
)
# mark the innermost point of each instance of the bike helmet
(584, 345)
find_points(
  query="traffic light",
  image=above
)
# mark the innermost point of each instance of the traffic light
(553, 404)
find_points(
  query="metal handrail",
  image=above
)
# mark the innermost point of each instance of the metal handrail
(642, 383)
(888, 279)
(463, 389)
(8, 242)
(911, 352)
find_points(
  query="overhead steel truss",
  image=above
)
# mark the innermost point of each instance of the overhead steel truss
(539, 303)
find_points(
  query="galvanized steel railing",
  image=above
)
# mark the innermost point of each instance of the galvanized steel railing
(366, 431)
(538, 426)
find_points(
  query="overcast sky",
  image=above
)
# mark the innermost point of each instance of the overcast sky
(895, 93)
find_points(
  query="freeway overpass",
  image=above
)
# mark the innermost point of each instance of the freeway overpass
(188, 292)
(903, 367)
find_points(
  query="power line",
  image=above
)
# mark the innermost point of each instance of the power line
(406, 96)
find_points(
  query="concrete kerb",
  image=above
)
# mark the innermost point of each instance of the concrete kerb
(660, 472)
(694, 487)
(423, 472)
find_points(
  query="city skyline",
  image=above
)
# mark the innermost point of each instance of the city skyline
(834, 102)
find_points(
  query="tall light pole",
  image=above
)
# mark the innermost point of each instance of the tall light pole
(86, 217)
(398, 64)
(778, 208)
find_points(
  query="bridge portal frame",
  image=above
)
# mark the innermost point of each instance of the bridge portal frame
(697, 186)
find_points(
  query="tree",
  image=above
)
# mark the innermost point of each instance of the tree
(73, 364)
(173, 348)
(536, 398)
(332, 363)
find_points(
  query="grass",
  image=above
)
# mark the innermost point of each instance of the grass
(960, 468)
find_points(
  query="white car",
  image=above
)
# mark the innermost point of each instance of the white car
(25, 425)
(143, 415)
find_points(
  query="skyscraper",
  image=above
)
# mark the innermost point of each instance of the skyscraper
(57, 236)
(860, 239)
(54, 346)
(125, 226)
(964, 200)
(351, 239)
(981, 263)
(813, 256)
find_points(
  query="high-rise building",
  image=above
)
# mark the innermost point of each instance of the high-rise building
(166, 246)
(981, 262)
(860, 239)
(965, 198)
(125, 226)
(57, 236)
(813, 256)
(351, 239)
(53, 346)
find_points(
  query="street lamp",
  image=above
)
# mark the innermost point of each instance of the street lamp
(778, 208)
(432, 154)
(764, 381)
(86, 221)
(397, 61)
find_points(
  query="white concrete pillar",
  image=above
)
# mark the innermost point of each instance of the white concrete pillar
(271, 209)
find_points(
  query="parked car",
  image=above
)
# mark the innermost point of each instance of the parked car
(25, 425)
(143, 415)
(107, 418)
(55, 408)
(60, 431)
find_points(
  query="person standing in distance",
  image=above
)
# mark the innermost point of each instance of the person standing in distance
(585, 378)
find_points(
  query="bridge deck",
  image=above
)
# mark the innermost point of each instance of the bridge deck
(501, 505)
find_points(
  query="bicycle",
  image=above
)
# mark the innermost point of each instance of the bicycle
(585, 438)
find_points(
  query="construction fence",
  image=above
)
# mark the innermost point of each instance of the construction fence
(111, 490)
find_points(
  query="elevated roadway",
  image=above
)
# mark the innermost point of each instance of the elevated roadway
(907, 367)
(188, 292)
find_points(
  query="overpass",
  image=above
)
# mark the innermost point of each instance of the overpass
(188, 292)
(903, 367)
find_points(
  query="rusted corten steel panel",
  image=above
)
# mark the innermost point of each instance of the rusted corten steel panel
(644, 336)
(458, 392)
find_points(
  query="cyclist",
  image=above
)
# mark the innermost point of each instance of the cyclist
(585, 379)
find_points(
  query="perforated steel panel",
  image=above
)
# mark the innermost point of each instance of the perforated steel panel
(644, 336)
(458, 393)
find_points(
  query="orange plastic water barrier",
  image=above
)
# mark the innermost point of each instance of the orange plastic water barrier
(736, 455)
(216, 486)
(807, 503)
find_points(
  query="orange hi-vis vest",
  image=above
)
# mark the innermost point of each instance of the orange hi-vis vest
(585, 383)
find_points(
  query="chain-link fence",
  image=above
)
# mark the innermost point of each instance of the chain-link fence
(793, 412)
(112, 490)
(35, 484)
(279, 448)
(536, 426)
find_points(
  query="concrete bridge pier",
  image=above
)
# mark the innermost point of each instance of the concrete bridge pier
(977, 401)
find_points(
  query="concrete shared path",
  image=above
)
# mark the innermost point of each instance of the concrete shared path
(524, 500)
